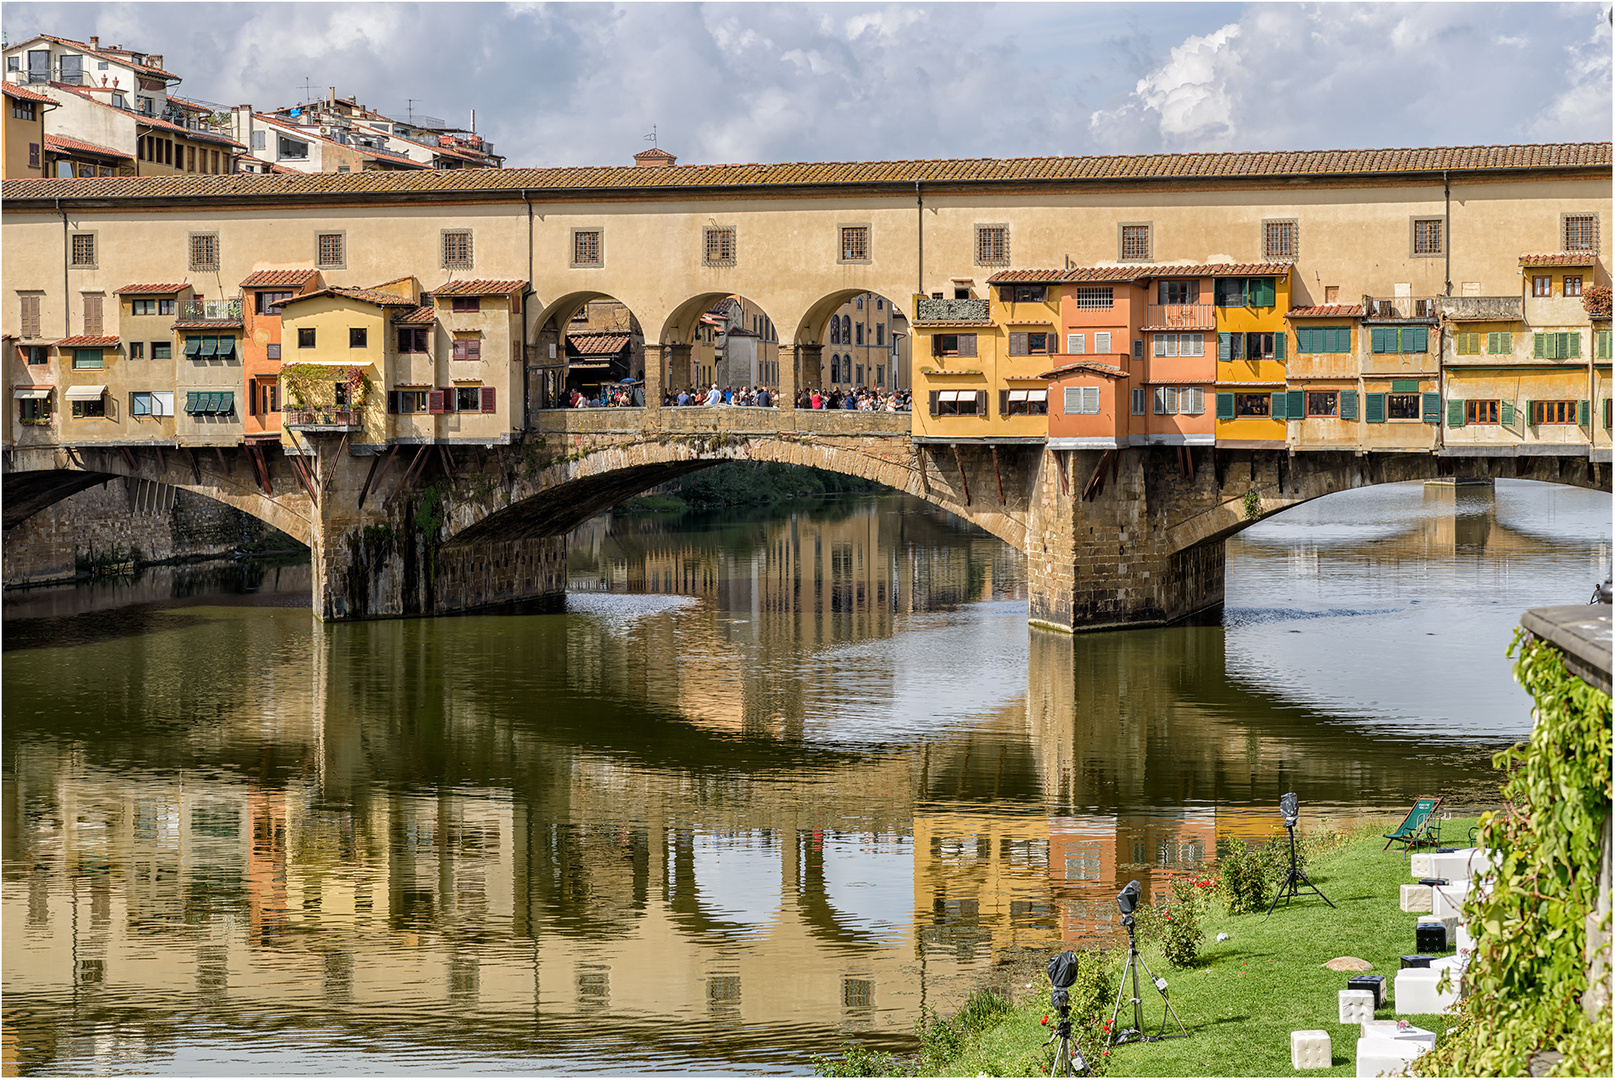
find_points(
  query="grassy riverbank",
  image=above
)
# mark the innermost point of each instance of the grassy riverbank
(1244, 996)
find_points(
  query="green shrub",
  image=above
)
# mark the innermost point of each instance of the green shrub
(855, 1060)
(1176, 924)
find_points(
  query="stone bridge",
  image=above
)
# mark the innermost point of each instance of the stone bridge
(1112, 538)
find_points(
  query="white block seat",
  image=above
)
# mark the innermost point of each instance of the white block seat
(1386, 1057)
(1416, 989)
(1356, 1006)
(1310, 1049)
(1416, 899)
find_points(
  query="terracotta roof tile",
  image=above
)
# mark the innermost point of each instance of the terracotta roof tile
(164, 289)
(1427, 161)
(151, 122)
(60, 143)
(480, 287)
(1085, 365)
(369, 296)
(1563, 258)
(597, 344)
(264, 279)
(421, 316)
(111, 54)
(22, 93)
(85, 341)
(1326, 311)
(938, 324)
(1139, 272)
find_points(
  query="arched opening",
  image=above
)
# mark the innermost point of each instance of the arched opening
(862, 344)
(720, 348)
(590, 350)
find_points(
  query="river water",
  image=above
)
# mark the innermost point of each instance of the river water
(772, 781)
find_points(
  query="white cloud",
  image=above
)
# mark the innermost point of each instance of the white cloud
(1584, 105)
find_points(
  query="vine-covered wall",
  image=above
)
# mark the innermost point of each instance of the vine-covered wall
(1527, 978)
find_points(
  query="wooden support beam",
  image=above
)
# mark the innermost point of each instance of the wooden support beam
(335, 460)
(229, 470)
(964, 481)
(998, 477)
(1059, 470)
(1216, 469)
(162, 463)
(300, 470)
(385, 464)
(409, 473)
(369, 476)
(1096, 483)
(128, 458)
(196, 470)
(445, 463)
(260, 468)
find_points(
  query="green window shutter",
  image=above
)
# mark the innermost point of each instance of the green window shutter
(1602, 343)
(1530, 413)
(1573, 339)
(1431, 409)
(1455, 410)
(1348, 404)
(1224, 347)
(1296, 404)
(1383, 339)
(1508, 414)
(1415, 339)
(1340, 339)
(1507, 340)
(1374, 408)
(1278, 411)
(1303, 340)
(1584, 413)
(1539, 346)
(1279, 339)
(1404, 386)
(1225, 406)
(1607, 412)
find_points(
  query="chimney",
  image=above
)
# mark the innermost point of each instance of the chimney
(154, 60)
(333, 94)
(654, 158)
(95, 42)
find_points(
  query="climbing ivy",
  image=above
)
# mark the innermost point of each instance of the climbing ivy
(1525, 980)
(1253, 504)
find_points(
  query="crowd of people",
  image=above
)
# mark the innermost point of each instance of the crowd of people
(861, 398)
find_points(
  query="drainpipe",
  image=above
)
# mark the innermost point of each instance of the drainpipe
(1441, 337)
(67, 322)
(1446, 195)
(526, 389)
(919, 213)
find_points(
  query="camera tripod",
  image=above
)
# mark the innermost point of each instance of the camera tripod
(1136, 1032)
(1067, 1058)
(1290, 887)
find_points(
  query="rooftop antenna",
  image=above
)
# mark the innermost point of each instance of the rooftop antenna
(411, 105)
(308, 90)
(651, 138)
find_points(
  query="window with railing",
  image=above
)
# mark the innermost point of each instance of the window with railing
(1581, 232)
(992, 245)
(718, 245)
(1096, 297)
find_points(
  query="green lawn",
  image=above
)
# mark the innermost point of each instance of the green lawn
(1248, 993)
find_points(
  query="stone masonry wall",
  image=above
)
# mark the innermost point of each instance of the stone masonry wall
(147, 521)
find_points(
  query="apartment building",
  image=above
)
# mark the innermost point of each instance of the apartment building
(865, 343)
(24, 130)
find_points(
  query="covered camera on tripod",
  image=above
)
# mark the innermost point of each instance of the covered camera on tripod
(1062, 973)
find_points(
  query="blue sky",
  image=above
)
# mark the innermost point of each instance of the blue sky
(580, 84)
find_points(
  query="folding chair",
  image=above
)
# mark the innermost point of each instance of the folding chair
(1421, 826)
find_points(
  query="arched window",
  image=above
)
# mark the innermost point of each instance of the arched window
(835, 331)
(846, 329)
(835, 367)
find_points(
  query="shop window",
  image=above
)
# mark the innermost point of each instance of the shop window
(1323, 403)
(1482, 412)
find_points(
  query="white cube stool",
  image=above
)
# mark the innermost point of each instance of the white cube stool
(1356, 1006)
(1448, 899)
(1416, 899)
(1386, 1057)
(1461, 864)
(1416, 990)
(1419, 864)
(1310, 1050)
(1466, 940)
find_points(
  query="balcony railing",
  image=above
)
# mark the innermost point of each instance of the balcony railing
(1399, 307)
(317, 416)
(210, 310)
(934, 310)
(1180, 317)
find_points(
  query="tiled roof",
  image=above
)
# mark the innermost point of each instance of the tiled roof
(164, 289)
(421, 316)
(1563, 258)
(85, 341)
(266, 279)
(291, 127)
(1085, 365)
(369, 296)
(1326, 311)
(62, 144)
(1276, 165)
(1138, 272)
(112, 54)
(22, 93)
(480, 287)
(598, 344)
(151, 122)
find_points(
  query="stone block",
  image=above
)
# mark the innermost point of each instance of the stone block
(1386, 1057)
(1462, 864)
(1465, 940)
(1416, 899)
(1356, 1006)
(1310, 1050)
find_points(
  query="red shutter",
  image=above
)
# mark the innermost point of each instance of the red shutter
(434, 401)
(487, 398)
(449, 404)
(473, 349)
(459, 348)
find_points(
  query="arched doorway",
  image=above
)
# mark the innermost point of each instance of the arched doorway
(863, 343)
(590, 347)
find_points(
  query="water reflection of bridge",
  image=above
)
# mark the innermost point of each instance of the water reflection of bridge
(668, 841)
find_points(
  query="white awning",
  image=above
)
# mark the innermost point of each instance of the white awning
(35, 394)
(947, 395)
(86, 393)
(1037, 395)
(1017, 395)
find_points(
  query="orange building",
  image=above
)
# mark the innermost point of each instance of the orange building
(262, 294)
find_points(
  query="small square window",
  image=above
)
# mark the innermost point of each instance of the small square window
(204, 251)
(1581, 232)
(718, 246)
(457, 252)
(142, 307)
(357, 336)
(1572, 284)
(165, 307)
(1542, 285)
(1279, 239)
(1136, 242)
(305, 337)
(332, 250)
(162, 350)
(84, 249)
(1429, 236)
(587, 249)
(467, 303)
(137, 350)
(992, 245)
(854, 243)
